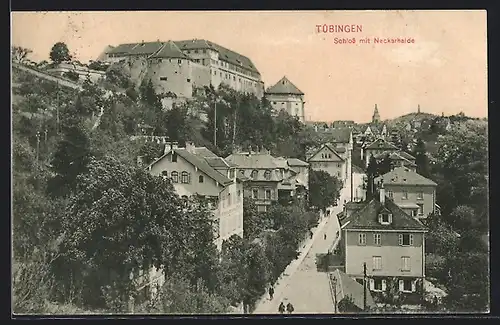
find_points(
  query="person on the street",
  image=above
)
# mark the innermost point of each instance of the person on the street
(271, 293)
(289, 308)
(281, 308)
(324, 236)
(311, 234)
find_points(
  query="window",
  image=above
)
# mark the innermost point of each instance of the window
(406, 285)
(254, 174)
(267, 174)
(405, 263)
(242, 172)
(164, 174)
(174, 157)
(215, 73)
(195, 51)
(377, 263)
(377, 284)
(338, 174)
(268, 194)
(204, 51)
(362, 239)
(420, 195)
(188, 80)
(163, 78)
(377, 239)
(338, 165)
(255, 193)
(239, 195)
(179, 61)
(184, 177)
(200, 179)
(420, 209)
(390, 194)
(405, 239)
(175, 177)
(405, 195)
(261, 208)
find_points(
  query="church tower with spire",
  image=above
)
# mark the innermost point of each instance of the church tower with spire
(418, 109)
(376, 115)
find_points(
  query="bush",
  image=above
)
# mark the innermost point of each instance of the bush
(72, 75)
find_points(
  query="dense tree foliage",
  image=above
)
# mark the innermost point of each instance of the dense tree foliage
(60, 53)
(324, 189)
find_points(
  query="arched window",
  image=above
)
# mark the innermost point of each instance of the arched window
(267, 174)
(255, 173)
(175, 177)
(185, 177)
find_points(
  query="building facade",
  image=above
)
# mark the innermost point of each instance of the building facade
(284, 95)
(398, 159)
(198, 171)
(379, 146)
(410, 191)
(269, 179)
(180, 66)
(387, 244)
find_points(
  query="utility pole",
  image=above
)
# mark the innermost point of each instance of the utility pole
(335, 293)
(37, 146)
(364, 286)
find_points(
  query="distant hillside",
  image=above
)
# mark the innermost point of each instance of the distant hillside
(402, 120)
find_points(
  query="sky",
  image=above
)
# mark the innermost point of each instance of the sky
(444, 70)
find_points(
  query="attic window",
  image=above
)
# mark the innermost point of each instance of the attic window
(385, 218)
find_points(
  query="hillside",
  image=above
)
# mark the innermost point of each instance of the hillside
(402, 120)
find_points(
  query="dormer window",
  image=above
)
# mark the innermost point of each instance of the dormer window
(385, 218)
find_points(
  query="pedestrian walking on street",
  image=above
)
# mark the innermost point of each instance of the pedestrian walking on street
(311, 234)
(281, 308)
(324, 236)
(271, 293)
(289, 308)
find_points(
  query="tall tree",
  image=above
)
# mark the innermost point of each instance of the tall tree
(385, 166)
(372, 171)
(324, 189)
(70, 160)
(421, 159)
(60, 53)
(19, 53)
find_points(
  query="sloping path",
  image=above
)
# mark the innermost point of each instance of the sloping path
(302, 285)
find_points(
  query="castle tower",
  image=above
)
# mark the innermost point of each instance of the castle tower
(376, 115)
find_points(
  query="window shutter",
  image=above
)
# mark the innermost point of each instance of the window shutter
(380, 218)
(372, 284)
(414, 286)
(401, 285)
(411, 239)
(383, 285)
(400, 239)
(390, 217)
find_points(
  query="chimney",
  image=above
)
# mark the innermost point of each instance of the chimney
(382, 192)
(190, 147)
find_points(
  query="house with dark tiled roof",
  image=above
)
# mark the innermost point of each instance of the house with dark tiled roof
(375, 148)
(411, 191)
(196, 171)
(330, 159)
(398, 159)
(383, 241)
(180, 67)
(269, 178)
(284, 95)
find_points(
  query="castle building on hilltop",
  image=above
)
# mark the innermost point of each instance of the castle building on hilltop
(284, 95)
(180, 66)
